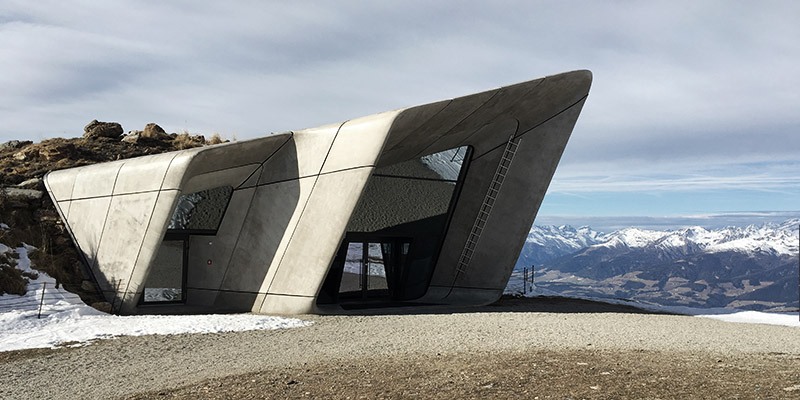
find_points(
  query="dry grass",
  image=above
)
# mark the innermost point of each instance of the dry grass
(185, 141)
(214, 139)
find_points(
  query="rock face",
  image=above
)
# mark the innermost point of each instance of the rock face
(98, 129)
(153, 131)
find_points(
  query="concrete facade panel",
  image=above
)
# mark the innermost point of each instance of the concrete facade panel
(252, 180)
(177, 169)
(406, 122)
(143, 174)
(302, 156)
(117, 254)
(555, 94)
(418, 139)
(63, 209)
(359, 142)
(295, 212)
(60, 183)
(235, 154)
(87, 231)
(318, 233)
(481, 138)
(268, 224)
(96, 182)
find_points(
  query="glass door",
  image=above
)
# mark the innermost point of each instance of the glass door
(370, 268)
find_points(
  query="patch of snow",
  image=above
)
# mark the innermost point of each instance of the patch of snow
(757, 317)
(67, 320)
(20, 329)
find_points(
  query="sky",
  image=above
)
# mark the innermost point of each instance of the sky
(693, 108)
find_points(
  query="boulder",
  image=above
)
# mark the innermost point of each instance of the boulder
(98, 129)
(153, 131)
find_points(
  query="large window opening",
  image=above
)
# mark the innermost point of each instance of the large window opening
(396, 231)
(370, 268)
(198, 213)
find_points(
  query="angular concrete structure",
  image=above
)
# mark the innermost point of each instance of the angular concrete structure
(424, 205)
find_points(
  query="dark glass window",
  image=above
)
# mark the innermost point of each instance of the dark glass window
(201, 210)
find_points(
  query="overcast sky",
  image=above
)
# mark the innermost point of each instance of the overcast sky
(694, 106)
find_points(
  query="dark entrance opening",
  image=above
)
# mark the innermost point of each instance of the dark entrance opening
(368, 269)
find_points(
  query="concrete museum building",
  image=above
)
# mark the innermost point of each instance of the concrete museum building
(424, 205)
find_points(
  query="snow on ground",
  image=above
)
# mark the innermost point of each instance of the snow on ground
(756, 317)
(68, 321)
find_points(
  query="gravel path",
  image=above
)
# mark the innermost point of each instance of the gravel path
(129, 365)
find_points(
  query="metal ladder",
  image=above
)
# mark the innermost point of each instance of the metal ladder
(486, 207)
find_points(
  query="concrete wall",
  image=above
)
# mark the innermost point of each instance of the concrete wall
(294, 195)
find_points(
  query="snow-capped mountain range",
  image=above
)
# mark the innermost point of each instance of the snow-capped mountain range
(753, 266)
(548, 242)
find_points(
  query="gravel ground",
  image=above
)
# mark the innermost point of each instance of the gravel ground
(515, 333)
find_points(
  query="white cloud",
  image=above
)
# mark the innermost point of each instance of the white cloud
(678, 87)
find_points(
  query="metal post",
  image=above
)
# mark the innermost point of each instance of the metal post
(44, 287)
(524, 280)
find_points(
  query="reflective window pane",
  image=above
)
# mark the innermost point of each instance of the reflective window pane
(376, 268)
(201, 210)
(351, 277)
